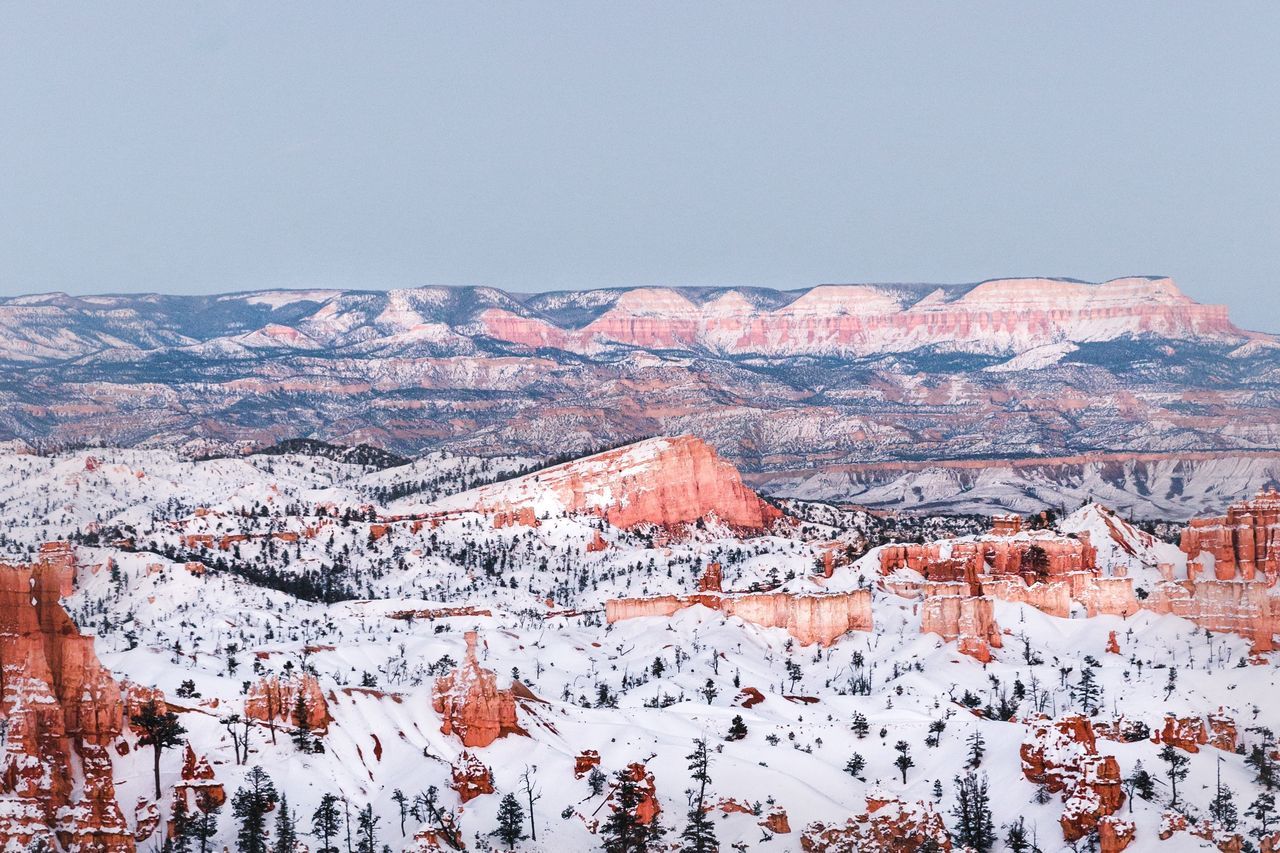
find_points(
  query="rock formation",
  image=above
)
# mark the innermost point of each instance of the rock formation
(952, 613)
(472, 705)
(1244, 544)
(1248, 608)
(63, 710)
(670, 482)
(811, 618)
(1063, 756)
(889, 825)
(273, 700)
(470, 777)
(648, 808)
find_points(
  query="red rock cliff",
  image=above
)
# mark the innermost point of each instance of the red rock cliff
(63, 710)
(665, 481)
(1243, 544)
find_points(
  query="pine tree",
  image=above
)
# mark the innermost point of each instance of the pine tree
(973, 823)
(204, 825)
(326, 820)
(302, 736)
(700, 834)
(159, 731)
(1263, 766)
(855, 765)
(903, 761)
(286, 830)
(737, 728)
(622, 831)
(860, 727)
(510, 821)
(179, 841)
(977, 747)
(1177, 770)
(1140, 783)
(1223, 806)
(595, 781)
(250, 806)
(1016, 838)
(1262, 809)
(1087, 691)
(366, 835)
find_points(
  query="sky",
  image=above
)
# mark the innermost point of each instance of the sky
(215, 146)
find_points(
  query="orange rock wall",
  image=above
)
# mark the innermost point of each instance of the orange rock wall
(1244, 543)
(817, 618)
(63, 709)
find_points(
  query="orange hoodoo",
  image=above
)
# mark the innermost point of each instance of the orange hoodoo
(473, 706)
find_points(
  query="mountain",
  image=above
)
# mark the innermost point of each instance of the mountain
(788, 385)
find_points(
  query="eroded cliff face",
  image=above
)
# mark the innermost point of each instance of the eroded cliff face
(669, 482)
(1244, 544)
(952, 613)
(819, 618)
(63, 709)
(474, 708)
(1248, 608)
(274, 700)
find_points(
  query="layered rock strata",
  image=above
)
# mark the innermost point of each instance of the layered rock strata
(63, 711)
(820, 618)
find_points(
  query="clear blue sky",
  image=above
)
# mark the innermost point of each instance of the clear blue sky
(194, 147)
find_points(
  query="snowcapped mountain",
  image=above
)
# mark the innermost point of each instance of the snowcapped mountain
(794, 387)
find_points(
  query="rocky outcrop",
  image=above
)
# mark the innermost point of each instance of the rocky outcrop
(950, 612)
(1244, 544)
(820, 618)
(1033, 558)
(199, 787)
(1250, 609)
(472, 705)
(584, 762)
(669, 482)
(274, 699)
(1063, 756)
(63, 711)
(1115, 834)
(470, 777)
(889, 825)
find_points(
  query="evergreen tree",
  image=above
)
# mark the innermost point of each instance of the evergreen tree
(903, 761)
(973, 824)
(204, 826)
(286, 830)
(699, 834)
(855, 765)
(367, 833)
(303, 738)
(595, 781)
(326, 820)
(860, 727)
(1016, 838)
(510, 821)
(159, 731)
(1087, 692)
(1223, 806)
(623, 831)
(1140, 783)
(737, 728)
(1262, 809)
(250, 806)
(1177, 770)
(1263, 766)
(977, 747)
(179, 841)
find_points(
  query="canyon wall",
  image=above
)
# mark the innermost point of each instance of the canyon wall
(63, 710)
(1240, 545)
(819, 618)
